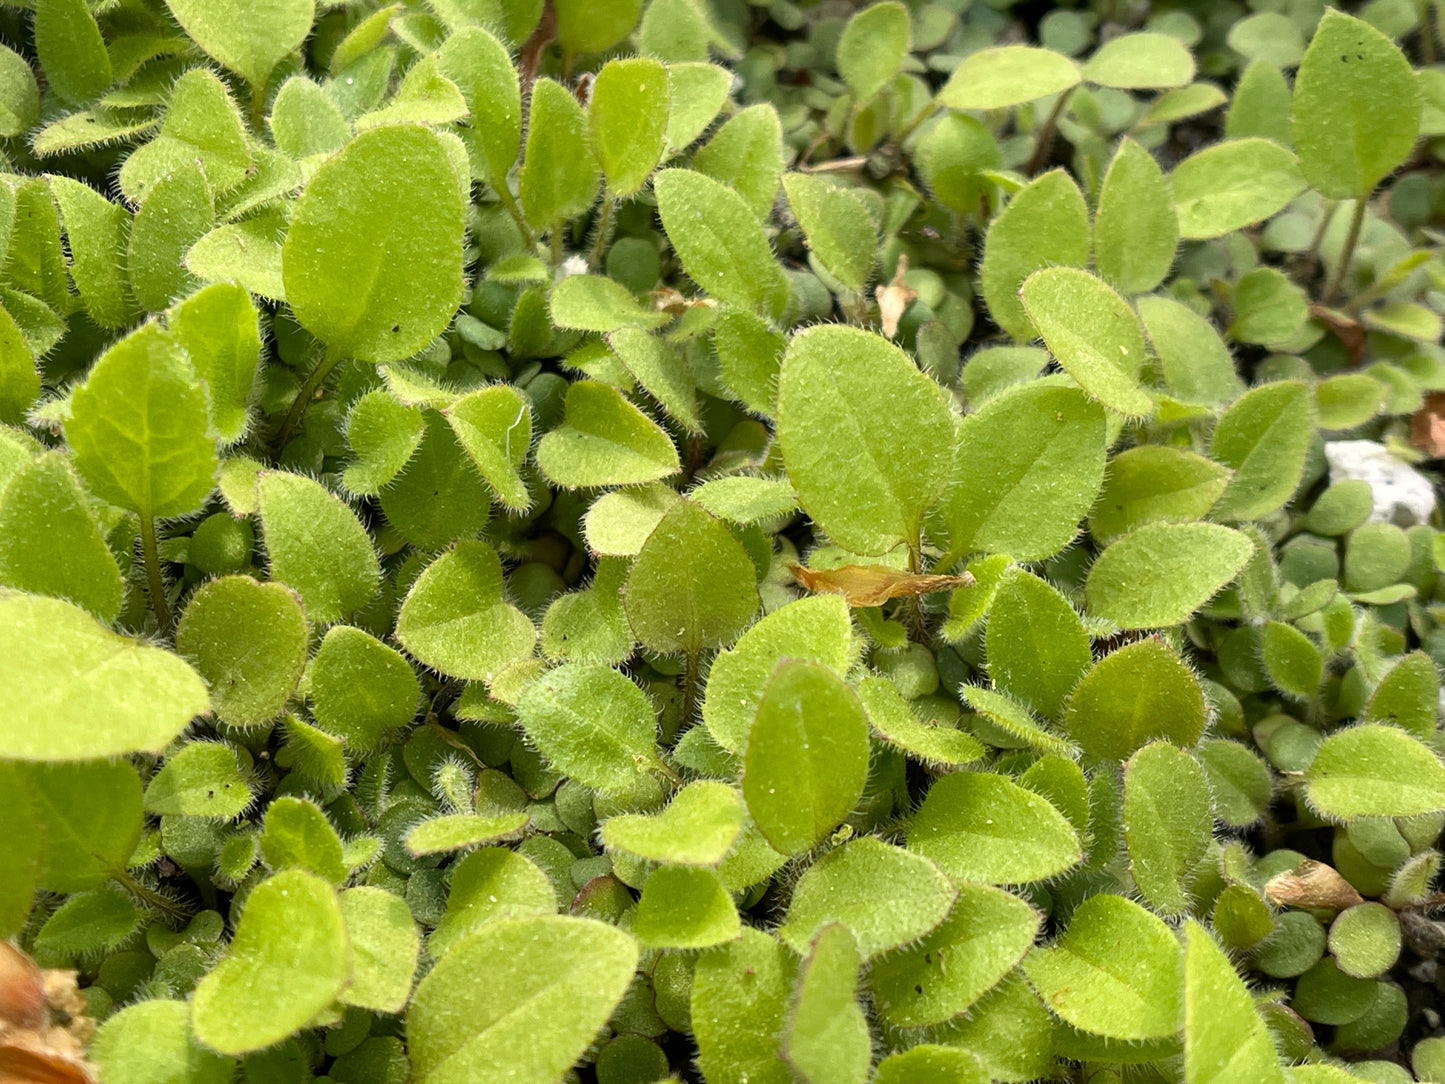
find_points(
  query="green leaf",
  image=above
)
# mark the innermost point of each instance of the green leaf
(19, 94)
(490, 884)
(481, 66)
(460, 831)
(248, 641)
(1027, 467)
(982, 827)
(696, 92)
(658, 368)
(298, 835)
(1093, 333)
(1141, 61)
(865, 437)
(288, 960)
(682, 908)
(1196, 364)
(627, 121)
(1374, 771)
(1224, 1038)
(150, 1042)
(930, 741)
(249, 39)
(698, 827)
(455, 620)
(217, 328)
(619, 522)
(1268, 307)
(94, 228)
(693, 586)
(746, 154)
(1011, 723)
(384, 434)
(586, 26)
(597, 303)
(740, 996)
(494, 426)
(1132, 696)
(1238, 780)
(1260, 105)
(1116, 972)
(90, 820)
(22, 849)
(1264, 438)
(1408, 696)
(985, 936)
(1045, 225)
(604, 441)
(1136, 229)
(316, 545)
(814, 629)
(1037, 647)
(201, 128)
(827, 1039)
(952, 155)
(1291, 659)
(749, 355)
(592, 723)
(719, 241)
(387, 208)
(1155, 483)
(1167, 823)
(71, 50)
(1008, 75)
(1159, 574)
(883, 894)
(202, 780)
(425, 96)
(150, 694)
(176, 211)
(50, 543)
(89, 923)
(384, 947)
(246, 254)
(438, 496)
(138, 428)
(1365, 940)
(1356, 108)
(872, 46)
(745, 499)
(836, 223)
(807, 756)
(1348, 400)
(520, 998)
(1233, 184)
(35, 263)
(361, 689)
(931, 1063)
(559, 176)
(315, 753)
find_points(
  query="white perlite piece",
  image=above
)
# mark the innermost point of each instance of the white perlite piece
(1403, 496)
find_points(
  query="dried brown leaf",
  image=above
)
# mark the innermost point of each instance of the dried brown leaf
(873, 585)
(1312, 884)
(894, 298)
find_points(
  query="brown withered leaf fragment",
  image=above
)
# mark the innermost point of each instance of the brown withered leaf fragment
(43, 1026)
(22, 992)
(1427, 426)
(894, 298)
(873, 585)
(1312, 884)
(1349, 331)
